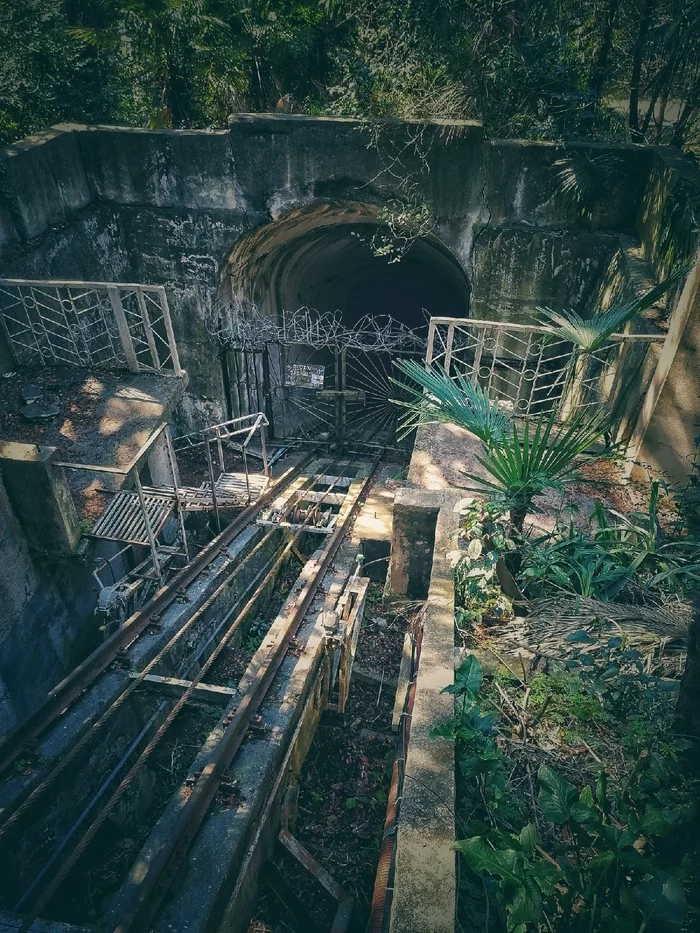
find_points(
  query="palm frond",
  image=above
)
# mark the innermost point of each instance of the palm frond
(589, 335)
(437, 397)
(529, 460)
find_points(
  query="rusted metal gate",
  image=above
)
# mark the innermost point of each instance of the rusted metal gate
(327, 383)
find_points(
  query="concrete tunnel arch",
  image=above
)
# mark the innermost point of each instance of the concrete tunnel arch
(319, 256)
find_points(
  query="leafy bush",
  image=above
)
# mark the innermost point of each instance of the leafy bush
(620, 551)
(606, 855)
(484, 537)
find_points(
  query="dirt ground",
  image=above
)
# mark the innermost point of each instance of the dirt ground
(343, 790)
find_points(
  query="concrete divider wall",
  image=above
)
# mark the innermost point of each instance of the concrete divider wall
(425, 878)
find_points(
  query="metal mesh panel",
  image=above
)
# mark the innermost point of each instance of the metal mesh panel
(529, 369)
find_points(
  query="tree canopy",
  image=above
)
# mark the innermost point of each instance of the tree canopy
(623, 70)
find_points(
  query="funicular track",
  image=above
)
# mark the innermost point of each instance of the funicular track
(161, 870)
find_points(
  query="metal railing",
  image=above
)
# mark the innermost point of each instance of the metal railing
(243, 429)
(94, 324)
(532, 369)
(131, 472)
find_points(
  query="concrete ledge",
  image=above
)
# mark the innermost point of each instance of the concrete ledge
(425, 878)
(40, 497)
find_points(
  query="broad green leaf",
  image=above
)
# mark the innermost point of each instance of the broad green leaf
(655, 821)
(599, 867)
(556, 795)
(469, 676)
(583, 811)
(660, 900)
(526, 905)
(529, 838)
(507, 864)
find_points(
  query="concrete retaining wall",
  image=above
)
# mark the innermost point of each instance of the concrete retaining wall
(169, 206)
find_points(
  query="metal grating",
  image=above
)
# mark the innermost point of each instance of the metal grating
(231, 492)
(124, 520)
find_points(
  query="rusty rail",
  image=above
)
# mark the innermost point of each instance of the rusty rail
(380, 914)
(159, 875)
(69, 689)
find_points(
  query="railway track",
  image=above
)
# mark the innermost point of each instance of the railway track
(291, 522)
(71, 687)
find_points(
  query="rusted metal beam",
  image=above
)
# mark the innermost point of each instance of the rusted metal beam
(343, 914)
(160, 873)
(209, 693)
(85, 673)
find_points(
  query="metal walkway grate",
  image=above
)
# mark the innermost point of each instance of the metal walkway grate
(231, 492)
(124, 518)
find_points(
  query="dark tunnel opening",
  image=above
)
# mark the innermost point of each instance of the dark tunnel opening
(323, 258)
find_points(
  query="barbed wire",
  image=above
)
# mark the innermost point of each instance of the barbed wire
(240, 325)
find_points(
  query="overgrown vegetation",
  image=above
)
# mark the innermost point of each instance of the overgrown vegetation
(577, 793)
(574, 809)
(606, 69)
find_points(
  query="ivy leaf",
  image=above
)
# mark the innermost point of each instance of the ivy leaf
(556, 795)
(661, 901)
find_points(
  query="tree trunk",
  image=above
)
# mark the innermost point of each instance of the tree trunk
(635, 79)
(598, 72)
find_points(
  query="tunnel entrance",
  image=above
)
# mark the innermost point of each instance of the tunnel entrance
(312, 319)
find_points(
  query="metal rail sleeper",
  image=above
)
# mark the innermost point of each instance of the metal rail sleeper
(70, 688)
(12, 819)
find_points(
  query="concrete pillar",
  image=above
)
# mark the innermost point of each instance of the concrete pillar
(413, 537)
(159, 464)
(668, 422)
(425, 882)
(40, 497)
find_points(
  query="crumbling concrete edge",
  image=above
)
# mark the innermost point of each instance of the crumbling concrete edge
(425, 884)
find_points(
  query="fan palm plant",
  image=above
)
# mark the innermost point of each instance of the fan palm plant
(531, 458)
(437, 397)
(589, 335)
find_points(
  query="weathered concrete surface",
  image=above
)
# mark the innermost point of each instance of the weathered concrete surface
(412, 543)
(40, 497)
(47, 623)
(425, 879)
(11, 923)
(664, 438)
(170, 206)
(443, 455)
(373, 528)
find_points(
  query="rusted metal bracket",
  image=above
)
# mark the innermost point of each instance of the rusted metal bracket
(347, 622)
